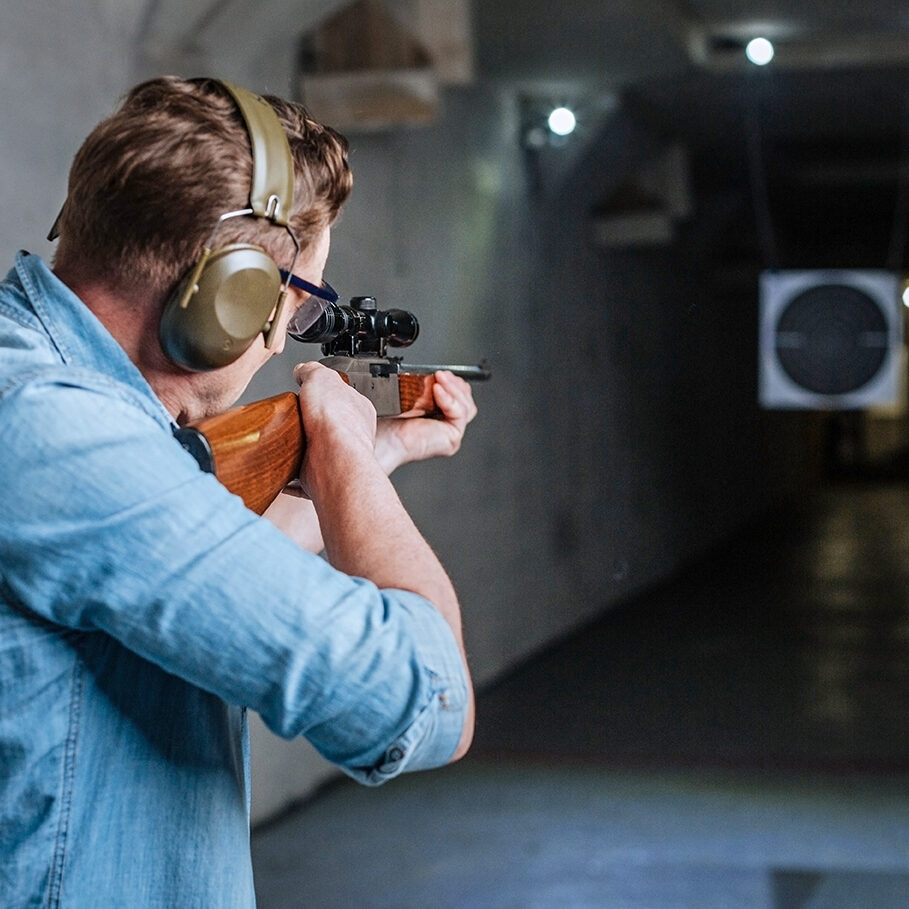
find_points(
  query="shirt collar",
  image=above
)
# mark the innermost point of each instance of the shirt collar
(76, 332)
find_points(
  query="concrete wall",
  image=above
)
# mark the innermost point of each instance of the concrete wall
(62, 68)
(619, 437)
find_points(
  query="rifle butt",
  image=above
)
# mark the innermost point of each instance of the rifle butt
(254, 450)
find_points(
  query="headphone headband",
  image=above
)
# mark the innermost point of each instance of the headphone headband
(271, 193)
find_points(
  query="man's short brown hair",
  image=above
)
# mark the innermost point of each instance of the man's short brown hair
(149, 183)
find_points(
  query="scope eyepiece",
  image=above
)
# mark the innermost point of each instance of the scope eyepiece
(333, 321)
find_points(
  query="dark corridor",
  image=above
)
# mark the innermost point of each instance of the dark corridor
(737, 738)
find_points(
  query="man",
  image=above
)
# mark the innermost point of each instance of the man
(142, 607)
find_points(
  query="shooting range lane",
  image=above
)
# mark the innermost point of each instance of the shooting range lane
(735, 738)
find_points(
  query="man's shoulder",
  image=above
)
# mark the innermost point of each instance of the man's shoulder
(22, 337)
(72, 422)
(44, 383)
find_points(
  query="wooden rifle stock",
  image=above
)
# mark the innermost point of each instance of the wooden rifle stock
(256, 449)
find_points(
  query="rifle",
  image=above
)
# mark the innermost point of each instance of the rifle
(256, 449)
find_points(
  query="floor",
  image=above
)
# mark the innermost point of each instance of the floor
(738, 738)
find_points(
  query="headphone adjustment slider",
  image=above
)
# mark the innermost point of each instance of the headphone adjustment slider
(192, 285)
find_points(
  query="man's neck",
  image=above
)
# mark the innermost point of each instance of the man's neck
(133, 323)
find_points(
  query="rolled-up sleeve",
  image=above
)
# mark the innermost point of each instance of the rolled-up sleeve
(436, 719)
(116, 530)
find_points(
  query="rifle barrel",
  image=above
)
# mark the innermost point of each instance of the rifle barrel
(478, 373)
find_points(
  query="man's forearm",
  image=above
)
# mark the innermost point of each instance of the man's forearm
(368, 533)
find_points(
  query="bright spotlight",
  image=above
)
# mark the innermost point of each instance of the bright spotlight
(759, 51)
(562, 121)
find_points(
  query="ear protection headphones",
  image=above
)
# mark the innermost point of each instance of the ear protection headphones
(235, 292)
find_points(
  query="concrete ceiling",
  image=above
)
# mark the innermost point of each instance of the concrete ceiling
(822, 129)
(831, 107)
(670, 48)
(600, 43)
(609, 42)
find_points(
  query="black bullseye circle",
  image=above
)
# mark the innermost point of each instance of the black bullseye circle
(832, 339)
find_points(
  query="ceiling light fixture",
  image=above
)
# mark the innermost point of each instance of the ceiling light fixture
(759, 51)
(562, 121)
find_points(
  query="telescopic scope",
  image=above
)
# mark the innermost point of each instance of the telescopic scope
(361, 328)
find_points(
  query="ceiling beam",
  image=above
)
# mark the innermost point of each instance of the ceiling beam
(721, 48)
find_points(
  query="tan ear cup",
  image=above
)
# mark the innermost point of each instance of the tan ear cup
(220, 307)
(229, 295)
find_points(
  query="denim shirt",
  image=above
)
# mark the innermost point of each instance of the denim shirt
(143, 608)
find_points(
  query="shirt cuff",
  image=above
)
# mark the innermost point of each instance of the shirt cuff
(435, 731)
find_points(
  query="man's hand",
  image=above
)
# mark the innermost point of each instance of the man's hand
(400, 441)
(340, 423)
(397, 441)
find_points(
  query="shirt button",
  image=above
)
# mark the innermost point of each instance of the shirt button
(395, 754)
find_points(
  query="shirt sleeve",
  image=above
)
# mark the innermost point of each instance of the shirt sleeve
(109, 526)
